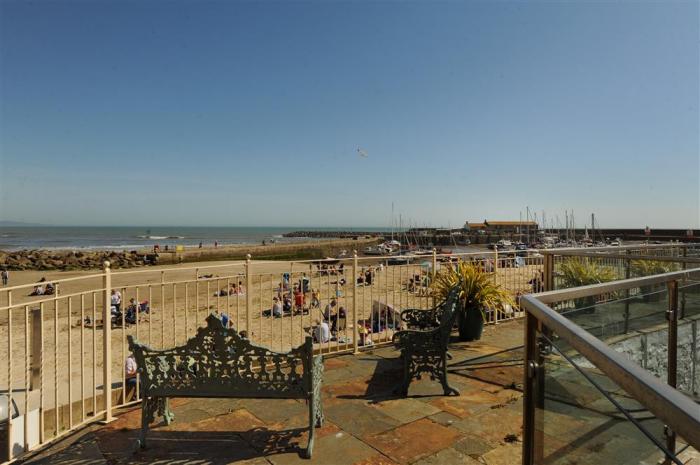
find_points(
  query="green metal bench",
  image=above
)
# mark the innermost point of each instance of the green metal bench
(217, 362)
(425, 350)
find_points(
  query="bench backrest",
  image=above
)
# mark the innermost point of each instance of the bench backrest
(218, 362)
(449, 309)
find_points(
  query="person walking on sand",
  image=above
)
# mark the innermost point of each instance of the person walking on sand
(5, 277)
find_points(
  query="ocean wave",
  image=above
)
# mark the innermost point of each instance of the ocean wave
(160, 237)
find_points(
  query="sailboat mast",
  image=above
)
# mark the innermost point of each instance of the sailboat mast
(527, 223)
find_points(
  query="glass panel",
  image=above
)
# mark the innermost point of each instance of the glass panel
(689, 296)
(575, 423)
(607, 316)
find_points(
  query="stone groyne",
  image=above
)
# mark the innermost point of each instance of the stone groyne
(66, 260)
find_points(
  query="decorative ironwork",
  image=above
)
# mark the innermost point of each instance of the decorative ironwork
(218, 362)
(425, 350)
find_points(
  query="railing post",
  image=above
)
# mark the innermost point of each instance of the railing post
(434, 261)
(548, 271)
(248, 301)
(627, 293)
(530, 373)
(672, 372)
(107, 342)
(9, 376)
(356, 334)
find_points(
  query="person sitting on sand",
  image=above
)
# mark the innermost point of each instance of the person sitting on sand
(337, 319)
(130, 372)
(298, 300)
(276, 308)
(287, 304)
(39, 288)
(321, 332)
(329, 311)
(368, 276)
(363, 331)
(241, 288)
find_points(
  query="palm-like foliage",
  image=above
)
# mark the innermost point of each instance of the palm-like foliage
(642, 268)
(477, 287)
(583, 272)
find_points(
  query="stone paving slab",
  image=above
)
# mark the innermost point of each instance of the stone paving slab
(360, 419)
(413, 441)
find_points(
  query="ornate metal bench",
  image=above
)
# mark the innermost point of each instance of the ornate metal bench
(425, 350)
(217, 362)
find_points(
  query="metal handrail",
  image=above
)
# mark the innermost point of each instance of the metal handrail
(568, 250)
(668, 404)
(613, 286)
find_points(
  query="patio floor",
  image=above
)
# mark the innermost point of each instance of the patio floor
(365, 423)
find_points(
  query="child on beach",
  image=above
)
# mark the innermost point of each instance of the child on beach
(363, 332)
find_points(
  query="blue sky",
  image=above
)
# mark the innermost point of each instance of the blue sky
(230, 113)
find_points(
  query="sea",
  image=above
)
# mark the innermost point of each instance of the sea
(14, 238)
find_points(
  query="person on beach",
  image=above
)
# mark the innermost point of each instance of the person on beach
(5, 277)
(315, 302)
(287, 304)
(241, 288)
(276, 308)
(321, 332)
(299, 301)
(537, 282)
(363, 331)
(329, 311)
(130, 372)
(116, 300)
(339, 320)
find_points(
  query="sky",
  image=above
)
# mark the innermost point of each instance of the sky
(251, 113)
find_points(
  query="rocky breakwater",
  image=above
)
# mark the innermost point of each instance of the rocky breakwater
(67, 260)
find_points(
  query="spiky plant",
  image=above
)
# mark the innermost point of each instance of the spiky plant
(583, 272)
(477, 287)
(641, 268)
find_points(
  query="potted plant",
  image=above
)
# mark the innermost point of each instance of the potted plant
(574, 272)
(641, 268)
(478, 293)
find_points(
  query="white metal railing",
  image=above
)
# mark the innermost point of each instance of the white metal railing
(64, 367)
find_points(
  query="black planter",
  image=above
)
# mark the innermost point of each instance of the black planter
(470, 324)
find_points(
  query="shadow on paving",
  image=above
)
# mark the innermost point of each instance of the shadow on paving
(201, 447)
(384, 379)
(503, 368)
